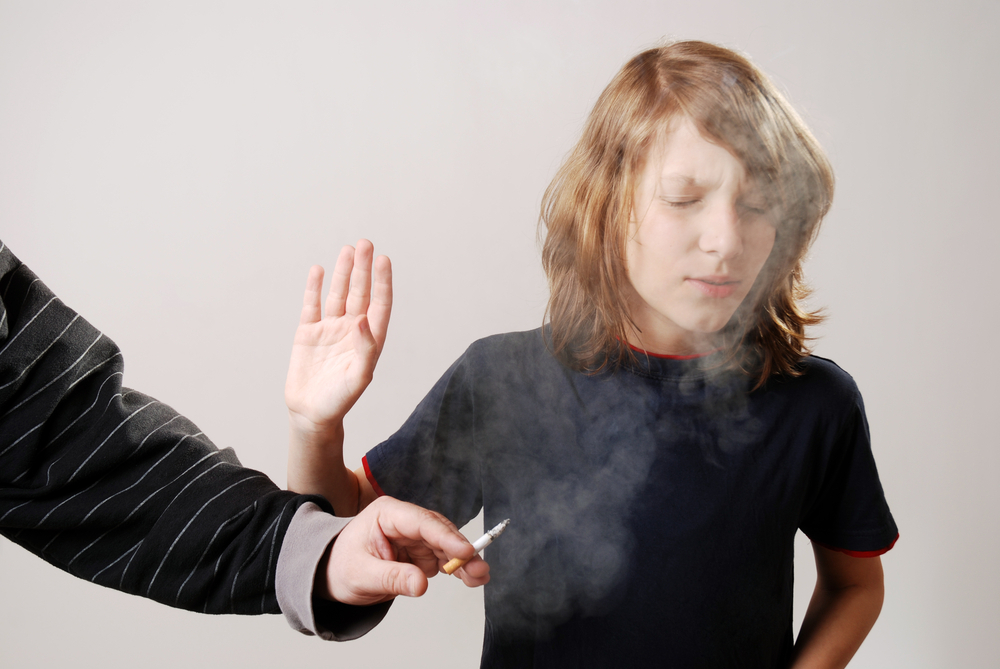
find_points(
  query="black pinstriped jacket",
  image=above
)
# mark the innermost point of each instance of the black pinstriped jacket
(111, 485)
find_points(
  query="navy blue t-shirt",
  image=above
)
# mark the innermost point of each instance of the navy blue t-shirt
(653, 508)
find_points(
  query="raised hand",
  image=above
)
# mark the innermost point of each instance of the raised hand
(333, 360)
(334, 356)
(391, 548)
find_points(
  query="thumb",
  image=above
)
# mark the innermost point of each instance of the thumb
(398, 578)
(364, 344)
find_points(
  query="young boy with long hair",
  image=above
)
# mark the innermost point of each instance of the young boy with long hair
(658, 444)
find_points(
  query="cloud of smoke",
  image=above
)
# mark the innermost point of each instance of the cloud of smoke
(576, 495)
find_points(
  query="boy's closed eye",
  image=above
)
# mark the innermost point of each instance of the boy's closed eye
(745, 208)
(681, 202)
(753, 208)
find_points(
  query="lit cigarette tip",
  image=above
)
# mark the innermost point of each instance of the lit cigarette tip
(498, 530)
(479, 544)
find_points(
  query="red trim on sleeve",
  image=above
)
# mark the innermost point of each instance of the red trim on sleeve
(863, 554)
(371, 478)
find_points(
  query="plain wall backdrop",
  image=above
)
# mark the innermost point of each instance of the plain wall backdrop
(171, 170)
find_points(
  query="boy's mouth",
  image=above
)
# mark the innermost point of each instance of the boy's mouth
(715, 286)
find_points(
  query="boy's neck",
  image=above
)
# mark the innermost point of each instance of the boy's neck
(696, 345)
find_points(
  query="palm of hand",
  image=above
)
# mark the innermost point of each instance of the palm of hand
(327, 374)
(334, 356)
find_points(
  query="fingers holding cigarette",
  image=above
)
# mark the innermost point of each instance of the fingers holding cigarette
(391, 548)
(453, 564)
(473, 573)
(479, 544)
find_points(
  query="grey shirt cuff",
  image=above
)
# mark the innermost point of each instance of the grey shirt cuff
(309, 534)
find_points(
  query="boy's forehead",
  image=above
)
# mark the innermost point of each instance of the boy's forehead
(682, 156)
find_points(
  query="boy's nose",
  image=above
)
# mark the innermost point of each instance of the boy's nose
(720, 233)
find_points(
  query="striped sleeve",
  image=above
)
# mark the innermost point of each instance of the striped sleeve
(115, 487)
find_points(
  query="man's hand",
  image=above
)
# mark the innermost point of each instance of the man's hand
(392, 548)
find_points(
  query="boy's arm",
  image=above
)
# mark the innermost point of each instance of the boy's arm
(843, 608)
(333, 361)
(366, 492)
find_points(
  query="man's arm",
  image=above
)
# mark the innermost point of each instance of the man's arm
(113, 486)
(844, 606)
(117, 488)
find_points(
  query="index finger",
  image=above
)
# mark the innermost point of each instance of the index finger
(402, 520)
(381, 299)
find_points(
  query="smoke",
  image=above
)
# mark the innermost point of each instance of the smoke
(574, 461)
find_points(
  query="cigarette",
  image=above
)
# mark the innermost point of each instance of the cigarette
(479, 544)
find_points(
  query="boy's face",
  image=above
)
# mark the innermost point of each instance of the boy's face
(699, 237)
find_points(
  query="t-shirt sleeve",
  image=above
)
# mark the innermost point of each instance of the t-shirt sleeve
(849, 512)
(432, 460)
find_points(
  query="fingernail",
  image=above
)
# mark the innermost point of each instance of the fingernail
(411, 583)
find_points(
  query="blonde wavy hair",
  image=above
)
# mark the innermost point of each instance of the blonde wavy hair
(587, 208)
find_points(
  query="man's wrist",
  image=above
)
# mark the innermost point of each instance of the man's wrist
(307, 540)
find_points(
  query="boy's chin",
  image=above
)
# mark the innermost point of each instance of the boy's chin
(709, 328)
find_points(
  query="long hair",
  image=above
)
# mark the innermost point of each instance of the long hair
(587, 208)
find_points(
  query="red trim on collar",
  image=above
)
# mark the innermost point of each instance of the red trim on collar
(664, 356)
(371, 477)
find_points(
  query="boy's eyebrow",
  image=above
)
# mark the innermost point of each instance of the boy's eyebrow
(680, 179)
(749, 188)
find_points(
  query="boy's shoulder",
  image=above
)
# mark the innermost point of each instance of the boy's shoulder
(528, 343)
(510, 355)
(823, 376)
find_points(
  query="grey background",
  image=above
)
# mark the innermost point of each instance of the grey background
(171, 170)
